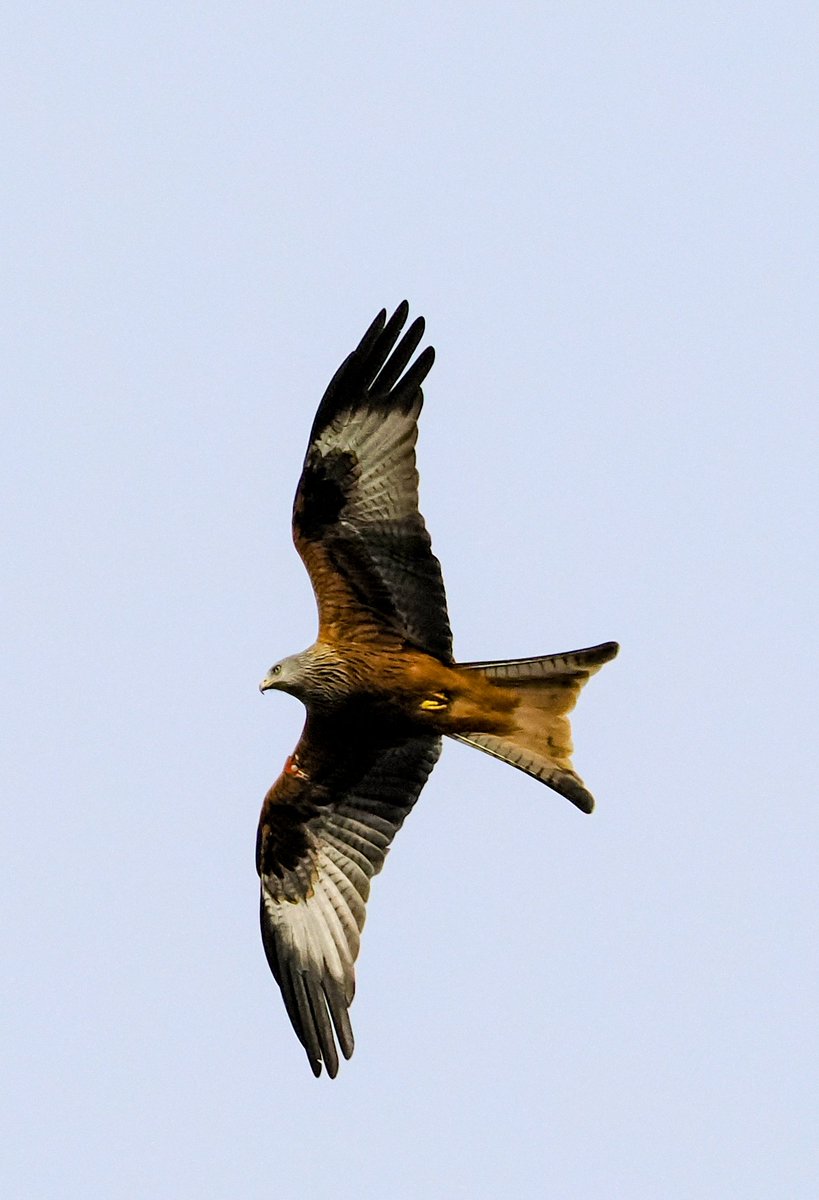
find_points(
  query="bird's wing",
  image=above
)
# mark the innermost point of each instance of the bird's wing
(356, 522)
(321, 839)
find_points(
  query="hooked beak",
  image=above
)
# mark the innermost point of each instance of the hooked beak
(266, 684)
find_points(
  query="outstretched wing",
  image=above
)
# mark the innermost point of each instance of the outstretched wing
(319, 844)
(356, 522)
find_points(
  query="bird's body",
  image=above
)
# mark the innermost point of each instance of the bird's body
(380, 687)
(404, 692)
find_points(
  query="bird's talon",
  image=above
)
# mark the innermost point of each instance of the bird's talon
(435, 703)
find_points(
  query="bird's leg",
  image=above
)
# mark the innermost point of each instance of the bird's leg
(437, 702)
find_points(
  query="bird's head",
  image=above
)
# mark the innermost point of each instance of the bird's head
(317, 677)
(283, 676)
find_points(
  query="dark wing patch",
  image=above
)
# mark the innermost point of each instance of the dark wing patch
(323, 502)
(316, 860)
(356, 508)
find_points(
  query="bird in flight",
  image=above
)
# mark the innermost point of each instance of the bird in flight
(380, 686)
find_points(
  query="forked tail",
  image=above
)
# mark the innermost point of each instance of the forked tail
(539, 738)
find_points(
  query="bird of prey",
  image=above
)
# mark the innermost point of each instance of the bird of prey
(380, 686)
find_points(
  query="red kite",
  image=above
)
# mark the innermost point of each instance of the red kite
(380, 687)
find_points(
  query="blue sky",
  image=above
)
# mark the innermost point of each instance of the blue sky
(607, 215)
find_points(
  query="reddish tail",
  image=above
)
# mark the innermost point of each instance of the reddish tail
(540, 740)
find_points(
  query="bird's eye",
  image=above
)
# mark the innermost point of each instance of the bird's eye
(276, 670)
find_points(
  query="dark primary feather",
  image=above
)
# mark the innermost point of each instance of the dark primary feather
(355, 517)
(316, 857)
(367, 373)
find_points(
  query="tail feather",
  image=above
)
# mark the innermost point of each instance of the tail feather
(560, 779)
(538, 739)
(585, 662)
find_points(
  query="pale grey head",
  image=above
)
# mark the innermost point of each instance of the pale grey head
(288, 675)
(316, 676)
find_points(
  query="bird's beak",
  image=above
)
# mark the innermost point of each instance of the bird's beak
(266, 684)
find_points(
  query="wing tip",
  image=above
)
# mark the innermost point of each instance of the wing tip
(373, 331)
(376, 371)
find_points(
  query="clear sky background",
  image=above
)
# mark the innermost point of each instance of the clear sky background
(608, 215)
